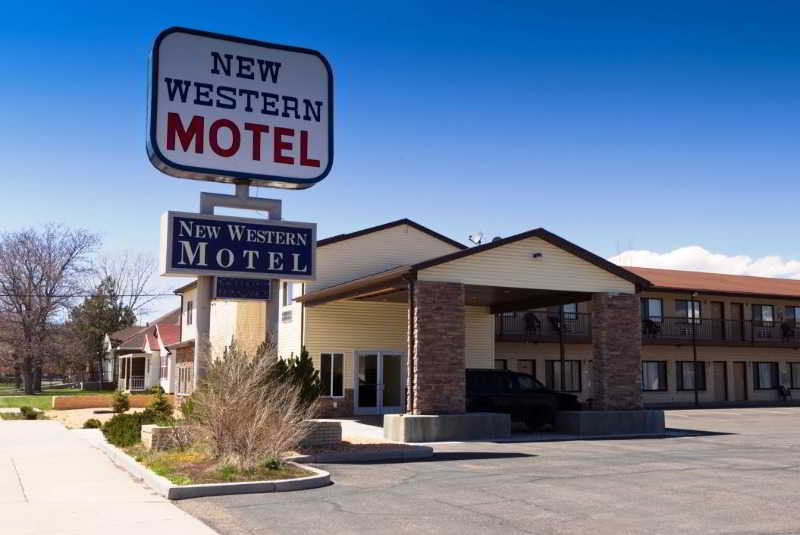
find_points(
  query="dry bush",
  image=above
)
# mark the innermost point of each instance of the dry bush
(246, 413)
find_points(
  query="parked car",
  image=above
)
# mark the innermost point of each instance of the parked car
(518, 394)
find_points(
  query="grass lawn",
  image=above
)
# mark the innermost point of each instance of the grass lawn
(195, 466)
(12, 398)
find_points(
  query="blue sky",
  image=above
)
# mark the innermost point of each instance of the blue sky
(617, 125)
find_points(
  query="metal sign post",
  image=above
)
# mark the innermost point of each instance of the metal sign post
(202, 342)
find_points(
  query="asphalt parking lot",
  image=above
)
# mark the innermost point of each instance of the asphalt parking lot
(740, 475)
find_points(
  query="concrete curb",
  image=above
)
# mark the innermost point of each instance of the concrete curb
(398, 454)
(169, 490)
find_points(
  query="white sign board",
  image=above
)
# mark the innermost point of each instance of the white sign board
(223, 108)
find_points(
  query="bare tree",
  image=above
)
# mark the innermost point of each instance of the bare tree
(133, 278)
(41, 274)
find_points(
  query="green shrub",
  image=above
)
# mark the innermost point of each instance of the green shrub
(187, 408)
(123, 430)
(156, 389)
(301, 373)
(92, 423)
(161, 405)
(227, 472)
(29, 413)
(121, 402)
(273, 463)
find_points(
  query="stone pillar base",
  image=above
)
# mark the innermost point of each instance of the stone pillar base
(438, 427)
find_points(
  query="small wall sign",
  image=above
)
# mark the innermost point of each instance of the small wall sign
(223, 108)
(241, 288)
(207, 245)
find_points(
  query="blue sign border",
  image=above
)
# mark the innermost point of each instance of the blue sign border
(167, 166)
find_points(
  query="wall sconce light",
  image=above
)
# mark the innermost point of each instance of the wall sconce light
(537, 255)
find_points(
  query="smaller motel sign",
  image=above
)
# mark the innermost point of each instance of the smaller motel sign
(223, 108)
(208, 245)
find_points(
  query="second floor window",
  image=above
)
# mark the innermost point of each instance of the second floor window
(189, 312)
(793, 314)
(570, 311)
(652, 309)
(688, 309)
(765, 313)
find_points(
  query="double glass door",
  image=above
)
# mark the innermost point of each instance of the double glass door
(380, 382)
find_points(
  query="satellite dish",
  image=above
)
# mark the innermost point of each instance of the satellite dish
(476, 238)
(496, 238)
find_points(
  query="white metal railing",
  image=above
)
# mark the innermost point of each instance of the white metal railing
(137, 382)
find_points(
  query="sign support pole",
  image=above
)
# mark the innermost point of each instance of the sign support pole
(202, 342)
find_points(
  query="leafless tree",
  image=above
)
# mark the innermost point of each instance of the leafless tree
(42, 271)
(133, 278)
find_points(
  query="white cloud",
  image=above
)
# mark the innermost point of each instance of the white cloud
(696, 258)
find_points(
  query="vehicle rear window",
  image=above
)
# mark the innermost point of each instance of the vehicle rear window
(526, 383)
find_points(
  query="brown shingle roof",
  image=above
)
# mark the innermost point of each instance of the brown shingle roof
(673, 279)
(124, 334)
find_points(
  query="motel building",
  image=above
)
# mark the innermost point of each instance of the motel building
(398, 311)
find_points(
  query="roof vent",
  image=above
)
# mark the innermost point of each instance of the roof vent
(496, 238)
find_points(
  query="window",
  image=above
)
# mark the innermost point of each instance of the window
(189, 312)
(528, 384)
(570, 311)
(500, 364)
(793, 314)
(654, 375)
(794, 369)
(686, 375)
(765, 375)
(763, 313)
(688, 309)
(652, 309)
(331, 375)
(163, 372)
(572, 375)
(287, 293)
(527, 366)
(184, 380)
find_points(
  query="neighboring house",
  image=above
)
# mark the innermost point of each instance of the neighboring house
(111, 343)
(243, 322)
(398, 311)
(139, 356)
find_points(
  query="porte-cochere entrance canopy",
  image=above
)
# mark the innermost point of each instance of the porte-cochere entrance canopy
(529, 270)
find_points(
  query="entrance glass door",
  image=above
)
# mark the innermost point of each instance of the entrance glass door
(379, 382)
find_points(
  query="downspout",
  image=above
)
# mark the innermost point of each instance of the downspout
(302, 320)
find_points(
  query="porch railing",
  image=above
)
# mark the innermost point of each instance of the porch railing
(137, 382)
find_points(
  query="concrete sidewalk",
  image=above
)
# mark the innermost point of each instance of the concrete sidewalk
(53, 481)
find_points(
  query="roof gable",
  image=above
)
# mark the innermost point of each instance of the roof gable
(378, 228)
(536, 258)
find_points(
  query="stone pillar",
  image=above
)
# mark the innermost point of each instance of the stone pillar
(616, 350)
(438, 322)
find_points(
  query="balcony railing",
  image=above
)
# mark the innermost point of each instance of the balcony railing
(537, 326)
(733, 332)
(533, 326)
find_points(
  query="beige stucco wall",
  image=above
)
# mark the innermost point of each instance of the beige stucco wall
(541, 352)
(513, 266)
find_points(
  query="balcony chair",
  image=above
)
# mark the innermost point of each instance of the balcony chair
(650, 328)
(787, 331)
(532, 324)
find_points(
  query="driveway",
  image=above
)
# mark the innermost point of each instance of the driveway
(740, 475)
(54, 482)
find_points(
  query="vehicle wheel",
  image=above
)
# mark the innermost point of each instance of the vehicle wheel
(541, 417)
